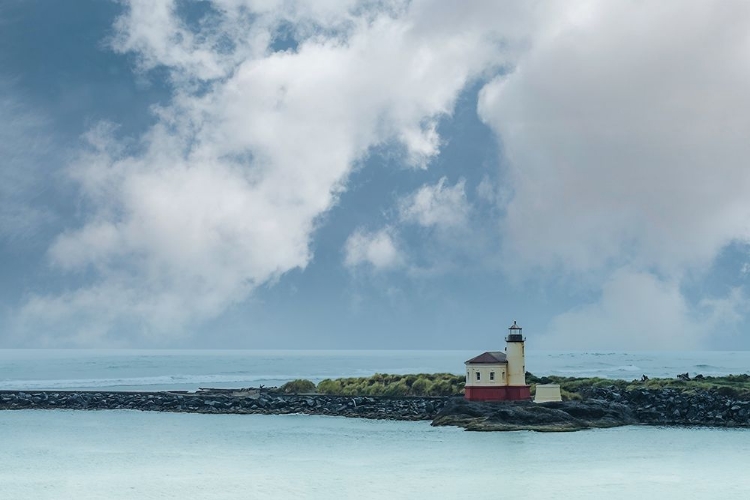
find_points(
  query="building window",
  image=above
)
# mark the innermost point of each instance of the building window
(492, 375)
(503, 376)
(479, 376)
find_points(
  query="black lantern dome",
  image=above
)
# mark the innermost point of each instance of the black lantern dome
(514, 333)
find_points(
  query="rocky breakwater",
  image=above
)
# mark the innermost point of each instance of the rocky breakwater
(603, 407)
(608, 406)
(238, 402)
(525, 415)
(713, 407)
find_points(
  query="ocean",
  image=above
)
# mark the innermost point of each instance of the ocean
(60, 454)
(189, 370)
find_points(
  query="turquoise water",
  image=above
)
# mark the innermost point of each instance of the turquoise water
(189, 370)
(141, 455)
(46, 454)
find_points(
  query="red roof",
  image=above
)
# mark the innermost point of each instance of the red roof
(491, 357)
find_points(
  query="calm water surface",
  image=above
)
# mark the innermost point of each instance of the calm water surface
(189, 370)
(141, 455)
(47, 454)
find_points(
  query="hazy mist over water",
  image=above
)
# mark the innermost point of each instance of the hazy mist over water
(191, 369)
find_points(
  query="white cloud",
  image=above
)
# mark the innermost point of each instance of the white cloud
(625, 131)
(638, 311)
(422, 143)
(376, 249)
(622, 123)
(437, 205)
(487, 191)
(227, 187)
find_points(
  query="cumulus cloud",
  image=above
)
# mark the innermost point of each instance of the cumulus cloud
(635, 311)
(638, 311)
(625, 132)
(433, 206)
(223, 193)
(437, 205)
(377, 249)
(622, 126)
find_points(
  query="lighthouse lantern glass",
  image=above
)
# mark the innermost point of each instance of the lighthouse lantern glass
(514, 332)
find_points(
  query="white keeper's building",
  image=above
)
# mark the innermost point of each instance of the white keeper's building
(499, 375)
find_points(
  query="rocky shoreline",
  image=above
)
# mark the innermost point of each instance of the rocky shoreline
(250, 401)
(600, 407)
(562, 416)
(674, 407)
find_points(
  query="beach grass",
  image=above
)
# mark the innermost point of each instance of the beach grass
(448, 384)
(381, 384)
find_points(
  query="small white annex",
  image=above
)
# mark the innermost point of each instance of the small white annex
(546, 393)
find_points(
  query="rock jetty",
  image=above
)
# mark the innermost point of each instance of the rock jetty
(673, 407)
(600, 407)
(224, 401)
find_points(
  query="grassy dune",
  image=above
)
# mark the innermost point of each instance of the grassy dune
(447, 384)
(380, 384)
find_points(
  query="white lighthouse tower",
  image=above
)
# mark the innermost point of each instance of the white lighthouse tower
(514, 352)
(497, 375)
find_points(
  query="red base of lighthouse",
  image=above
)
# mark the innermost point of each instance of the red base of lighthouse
(504, 393)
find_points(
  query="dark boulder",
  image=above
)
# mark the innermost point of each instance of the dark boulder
(545, 417)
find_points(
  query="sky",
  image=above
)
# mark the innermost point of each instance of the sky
(374, 174)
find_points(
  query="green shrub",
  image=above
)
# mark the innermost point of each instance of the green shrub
(397, 389)
(382, 384)
(570, 396)
(442, 388)
(298, 386)
(421, 386)
(329, 386)
(448, 384)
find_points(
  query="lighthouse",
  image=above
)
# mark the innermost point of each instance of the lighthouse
(498, 375)
(514, 349)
